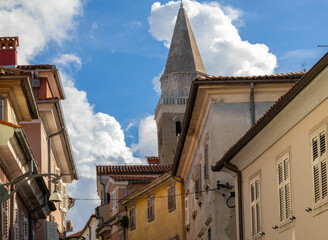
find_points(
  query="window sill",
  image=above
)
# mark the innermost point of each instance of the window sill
(286, 225)
(320, 208)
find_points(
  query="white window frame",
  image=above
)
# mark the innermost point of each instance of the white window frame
(284, 189)
(132, 218)
(198, 181)
(319, 166)
(255, 207)
(113, 196)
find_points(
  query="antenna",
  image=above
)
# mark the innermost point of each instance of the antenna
(303, 66)
(318, 45)
(181, 5)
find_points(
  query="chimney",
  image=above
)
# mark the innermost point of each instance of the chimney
(8, 51)
(153, 160)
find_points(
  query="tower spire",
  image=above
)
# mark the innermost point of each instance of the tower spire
(183, 54)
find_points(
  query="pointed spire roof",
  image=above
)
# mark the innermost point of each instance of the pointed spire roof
(183, 54)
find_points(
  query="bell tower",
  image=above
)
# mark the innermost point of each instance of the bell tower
(183, 65)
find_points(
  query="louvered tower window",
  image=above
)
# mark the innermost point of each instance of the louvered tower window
(319, 165)
(284, 189)
(255, 206)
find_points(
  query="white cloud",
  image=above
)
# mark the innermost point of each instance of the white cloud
(157, 83)
(221, 47)
(147, 145)
(37, 22)
(66, 61)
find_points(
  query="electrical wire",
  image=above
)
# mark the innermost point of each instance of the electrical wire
(136, 198)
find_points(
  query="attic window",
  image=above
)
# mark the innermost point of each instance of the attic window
(177, 128)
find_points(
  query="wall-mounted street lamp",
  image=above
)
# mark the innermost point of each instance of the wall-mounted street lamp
(54, 197)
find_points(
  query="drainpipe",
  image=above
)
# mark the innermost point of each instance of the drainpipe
(252, 104)
(49, 159)
(44, 204)
(235, 169)
(49, 154)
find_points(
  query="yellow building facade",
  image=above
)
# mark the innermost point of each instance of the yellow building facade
(155, 211)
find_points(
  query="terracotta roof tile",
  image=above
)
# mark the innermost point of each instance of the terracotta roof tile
(41, 66)
(76, 234)
(133, 169)
(295, 75)
(6, 71)
(133, 178)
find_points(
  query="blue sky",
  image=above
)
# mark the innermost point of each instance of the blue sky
(110, 53)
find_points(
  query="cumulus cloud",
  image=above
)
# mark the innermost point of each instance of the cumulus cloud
(157, 83)
(147, 145)
(221, 47)
(44, 21)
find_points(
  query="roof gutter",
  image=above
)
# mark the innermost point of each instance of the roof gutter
(283, 102)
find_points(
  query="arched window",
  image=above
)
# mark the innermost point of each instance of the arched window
(178, 128)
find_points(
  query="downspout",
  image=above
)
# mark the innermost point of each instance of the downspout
(49, 159)
(49, 154)
(252, 104)
(44, 204)
(235, 169)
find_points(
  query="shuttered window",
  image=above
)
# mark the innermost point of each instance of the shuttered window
(187, 207)
(171, 200)
(16, 222)
(206, 166)
(2, 108)
(198, 181)
(319, 165)
(284, 189)
(4, 220)
(151, 208)
(255, 206)
(25, 228)
(132, 217)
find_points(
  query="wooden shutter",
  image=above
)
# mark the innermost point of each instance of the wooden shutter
(206, 166)
(284, 191)
(171, 200)
(187, 210)
(150, 208)
(319, 165)
(25, 228)
(197, 180)
(16, 222)
(4, 220)
(132, 216)
(255, 206)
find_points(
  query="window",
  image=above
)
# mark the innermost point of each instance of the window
(319, 165)
(198, 181)
(187, 210)
(113, 199)
(255, 206)
(2, 108)
(25, 228)
(4, 220)
(206, 170)
(284, 192)
(16, 222)
(132, 217)
(150, 208)
(171, 200)
(177, 128)
(209, 234)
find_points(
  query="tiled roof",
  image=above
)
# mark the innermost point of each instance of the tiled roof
(6, 71)
(133, 169)
(41, 66)
(295, 75)
(76, 234)
(133, 178)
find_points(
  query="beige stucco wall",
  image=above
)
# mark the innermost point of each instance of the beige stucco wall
(289, 132)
